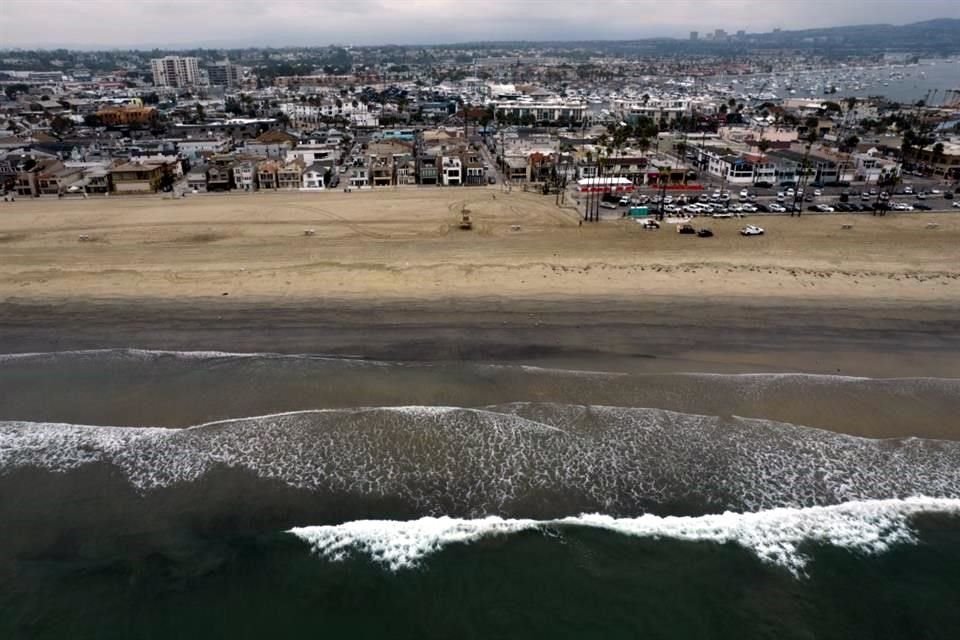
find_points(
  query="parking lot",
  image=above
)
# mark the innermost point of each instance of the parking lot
(726, 203)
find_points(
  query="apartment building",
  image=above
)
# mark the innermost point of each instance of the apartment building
(655, 108)
(175, 71)
(225, 74)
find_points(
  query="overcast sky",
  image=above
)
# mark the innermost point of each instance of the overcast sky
(225, 23)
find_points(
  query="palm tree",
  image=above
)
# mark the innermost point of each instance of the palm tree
(938, 153)
(644, 144)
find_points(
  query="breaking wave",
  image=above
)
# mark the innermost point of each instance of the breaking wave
(775, 536)
(519, 459)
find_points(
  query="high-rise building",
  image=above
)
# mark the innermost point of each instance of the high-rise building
(719, 34)
(694, 35)
(174, 71)
(225, 74)
(741, 33)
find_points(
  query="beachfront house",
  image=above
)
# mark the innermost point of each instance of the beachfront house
(137, 177)
(314, 177)
(267, 174)
(290, 175)
(197, 178)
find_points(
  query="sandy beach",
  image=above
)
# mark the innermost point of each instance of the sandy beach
(405, 244)
(390, 275)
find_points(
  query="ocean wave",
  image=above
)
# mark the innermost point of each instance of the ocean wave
(519, 459)
(775, 536)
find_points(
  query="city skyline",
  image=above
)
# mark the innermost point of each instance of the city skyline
(92, 24)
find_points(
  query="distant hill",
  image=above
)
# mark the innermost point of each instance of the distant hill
(931, 37)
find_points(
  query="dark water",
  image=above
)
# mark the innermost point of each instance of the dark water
(444, 500)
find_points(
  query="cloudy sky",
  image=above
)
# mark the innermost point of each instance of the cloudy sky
(224, 23)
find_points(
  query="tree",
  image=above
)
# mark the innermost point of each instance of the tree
(937, 152)
(11, 90)
(201, 112)
(166, 181)
(232, 105)
(61, 125)
(91, 120)
(644, 144)
(151, 98)
(850, 143)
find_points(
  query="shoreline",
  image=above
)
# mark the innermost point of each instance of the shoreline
(657, 334)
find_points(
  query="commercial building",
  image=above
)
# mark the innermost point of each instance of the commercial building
(542, 111)
(126, 115)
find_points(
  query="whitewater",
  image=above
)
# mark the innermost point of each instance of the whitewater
(513, 460)
(775, 536)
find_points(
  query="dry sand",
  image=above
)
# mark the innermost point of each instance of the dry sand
(405, 244)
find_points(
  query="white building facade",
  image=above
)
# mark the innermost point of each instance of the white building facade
(175, 71)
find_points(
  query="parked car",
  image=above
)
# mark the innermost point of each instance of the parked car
(704, 233)
(956, 204)
(744, 194)
(776, 208)
(624, 201)
(608, 205)
(751, 230)
(764, 185)
(948, 195)
(649, 225)
(686, 229)
(922, 207)
(749, 208)
(817, 193)
(908, 190)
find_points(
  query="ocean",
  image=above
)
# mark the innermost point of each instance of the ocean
(182, 494)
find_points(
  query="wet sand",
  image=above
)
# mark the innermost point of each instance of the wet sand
(650, 335)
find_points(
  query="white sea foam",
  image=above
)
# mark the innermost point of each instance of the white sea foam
(776, 536)
(146, 354)
(503, 459)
